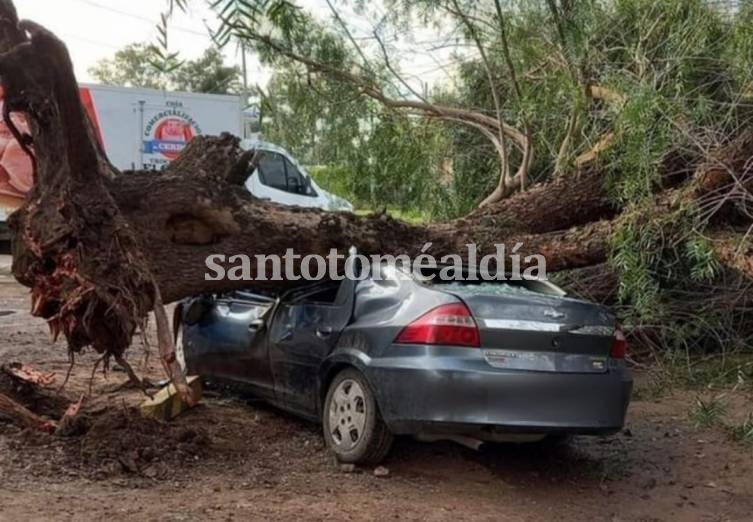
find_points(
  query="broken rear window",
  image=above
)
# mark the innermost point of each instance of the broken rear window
(495, 287)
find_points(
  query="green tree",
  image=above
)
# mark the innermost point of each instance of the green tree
(370, 155)
(130, 67)
(207, 74)
(135, 66)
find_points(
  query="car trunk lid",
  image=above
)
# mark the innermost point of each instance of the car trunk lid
(522, 328)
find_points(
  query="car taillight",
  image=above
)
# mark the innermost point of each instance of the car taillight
(450, 325)
(619, 345)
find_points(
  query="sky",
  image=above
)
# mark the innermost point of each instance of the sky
(95, 29)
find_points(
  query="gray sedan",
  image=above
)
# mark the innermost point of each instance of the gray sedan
(464, 360)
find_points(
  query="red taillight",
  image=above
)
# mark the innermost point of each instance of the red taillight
(450, 325)
(619, 346)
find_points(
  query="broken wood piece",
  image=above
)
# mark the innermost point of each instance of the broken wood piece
(28, 374)
(69, 421)
(24, 416)
(168, 403)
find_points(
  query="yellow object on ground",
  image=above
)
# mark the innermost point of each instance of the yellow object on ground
(167, 403)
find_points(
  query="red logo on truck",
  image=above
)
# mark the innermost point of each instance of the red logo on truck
(171, 135)
(168, 132)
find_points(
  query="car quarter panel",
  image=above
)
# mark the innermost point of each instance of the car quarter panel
(422, 385)
(381, 309)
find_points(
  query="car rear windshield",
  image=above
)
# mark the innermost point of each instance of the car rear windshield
(482, 288)
(496, 287)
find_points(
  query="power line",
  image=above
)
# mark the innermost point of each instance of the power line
(141, 18)
(89, 41)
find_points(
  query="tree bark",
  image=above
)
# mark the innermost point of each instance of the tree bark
(181, 219)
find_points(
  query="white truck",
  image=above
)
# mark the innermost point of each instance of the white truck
(144, 129)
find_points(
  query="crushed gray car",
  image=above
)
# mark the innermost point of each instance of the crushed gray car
(470, 360)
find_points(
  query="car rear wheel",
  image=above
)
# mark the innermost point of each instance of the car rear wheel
(353, 427)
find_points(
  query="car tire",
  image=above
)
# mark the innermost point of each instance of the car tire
(353, 427)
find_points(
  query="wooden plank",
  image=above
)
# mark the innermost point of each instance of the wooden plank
(167, 403)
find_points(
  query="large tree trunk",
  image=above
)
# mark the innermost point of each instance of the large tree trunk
(182, 217)
(101, 249)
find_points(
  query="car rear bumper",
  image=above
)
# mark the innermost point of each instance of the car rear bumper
(465, 395)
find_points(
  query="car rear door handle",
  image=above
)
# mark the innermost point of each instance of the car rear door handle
(324, 332)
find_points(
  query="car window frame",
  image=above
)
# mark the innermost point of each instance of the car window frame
(301, 299)
(304, 180)
(262, 176)
(288, 166)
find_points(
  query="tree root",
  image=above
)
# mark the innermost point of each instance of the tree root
(133, 380)
(24, 416)
(167, 350)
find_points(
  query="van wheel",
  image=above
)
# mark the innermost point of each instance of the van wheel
(353, 427)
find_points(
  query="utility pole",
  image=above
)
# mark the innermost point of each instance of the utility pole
(245, 74)
(141, 133)
(244, 104)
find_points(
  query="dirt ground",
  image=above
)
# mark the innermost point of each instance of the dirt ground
(235, 459)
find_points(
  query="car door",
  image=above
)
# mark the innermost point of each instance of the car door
(238, 339)
(304, 330)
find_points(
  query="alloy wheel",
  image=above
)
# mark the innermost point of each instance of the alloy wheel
(347, 414)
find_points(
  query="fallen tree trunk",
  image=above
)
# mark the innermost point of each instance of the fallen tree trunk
(566, 201)
(100, 249)
(199, 218)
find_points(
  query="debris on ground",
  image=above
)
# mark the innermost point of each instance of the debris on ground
(72, 422)
(23, 416)
(168, 403)
(23, 399)
(27, 374)
(122, 441)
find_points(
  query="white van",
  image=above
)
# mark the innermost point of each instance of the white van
(278, 177)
